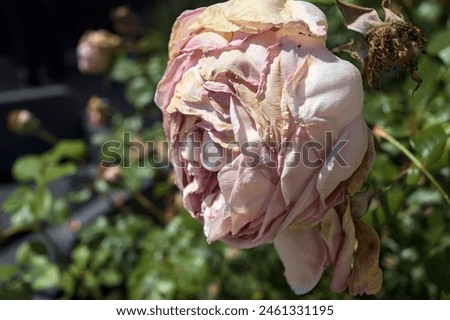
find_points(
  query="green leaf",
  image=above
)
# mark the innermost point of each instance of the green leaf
(439, 41)
(155, 68)
(80, 196)
(23, 254)
(430, 143)
(67, 149)
(131, 123)
(424, 197)
(81, 256)
(61, 211)
(125, 69)
(59, 171)
(101, 186)
(47, 276)
(110, 277)
(42, 203)
(384, 170)
(444, 54)
(27, 168)
(23, 216)
(28, 251)
(68, 285)
(17, 199)
(437, 268)
(7, 271)
(436, 227)
(413, 176)
(140, 92)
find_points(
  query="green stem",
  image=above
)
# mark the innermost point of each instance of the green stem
(380, 132)
(11, 231)
(46, 136)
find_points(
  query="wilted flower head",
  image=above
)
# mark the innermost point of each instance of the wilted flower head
(267, 136)
(388, 44)
(94, 51)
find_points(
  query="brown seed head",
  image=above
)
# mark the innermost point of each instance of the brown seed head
(393, 45)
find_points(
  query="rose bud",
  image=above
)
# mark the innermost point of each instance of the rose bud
(98, 111)
(112, 175)
(126, 22)
(21, 121)
(267, 136)
(95, 50)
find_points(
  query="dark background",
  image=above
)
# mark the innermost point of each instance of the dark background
(38, 68)
(39, 37)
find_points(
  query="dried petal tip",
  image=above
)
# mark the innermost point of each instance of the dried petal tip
(391, 43)
(357, 18)
(366, 276)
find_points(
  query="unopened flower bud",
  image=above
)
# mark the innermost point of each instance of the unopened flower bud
(21, 121)
(98, 111)
(126, 22)
(111, 175)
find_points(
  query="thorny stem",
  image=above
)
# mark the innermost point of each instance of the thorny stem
(380, 132)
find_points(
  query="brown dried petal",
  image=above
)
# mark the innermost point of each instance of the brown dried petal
(357, 18)
(360, 202)
(366, 276)
(389, 15)
(358, 50)
(361, 174)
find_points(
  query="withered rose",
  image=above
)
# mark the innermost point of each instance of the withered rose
(267, 136)
(94, 51)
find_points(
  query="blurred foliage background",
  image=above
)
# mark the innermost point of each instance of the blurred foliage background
(149, 248)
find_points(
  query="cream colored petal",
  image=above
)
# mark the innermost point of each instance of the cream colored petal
(343, 264)
(190, 87)
(331, 233)
(205, 42)
(244, 201)
(216, 224)
(244, 127)
(180, 31)
(345, 155)
(254, 16)
(304, 257)
(293, 93)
